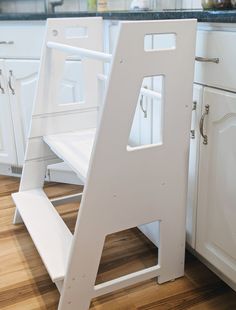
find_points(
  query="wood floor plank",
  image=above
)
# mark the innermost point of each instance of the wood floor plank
(224, 301)
(25, 284)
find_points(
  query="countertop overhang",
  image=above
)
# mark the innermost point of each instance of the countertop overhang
(209, 16)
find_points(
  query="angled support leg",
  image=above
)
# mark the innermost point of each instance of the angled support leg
(78, 287)
(33, 176)
(171, 250)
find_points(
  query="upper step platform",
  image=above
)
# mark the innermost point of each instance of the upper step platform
(50, 234)
(74, 148)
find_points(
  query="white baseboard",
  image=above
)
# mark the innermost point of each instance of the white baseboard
(10, 170)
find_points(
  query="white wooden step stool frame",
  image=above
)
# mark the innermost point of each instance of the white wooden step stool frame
(113, 198)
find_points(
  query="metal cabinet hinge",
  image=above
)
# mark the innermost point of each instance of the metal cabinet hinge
(192, 134)
(1, 87)
(10, 82)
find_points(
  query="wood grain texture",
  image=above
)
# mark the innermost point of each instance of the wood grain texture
(25, 284)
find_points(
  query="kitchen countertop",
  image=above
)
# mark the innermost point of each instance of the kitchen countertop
(210, 16)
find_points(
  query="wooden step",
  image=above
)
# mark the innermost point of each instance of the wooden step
(74, 149)
(50, 234)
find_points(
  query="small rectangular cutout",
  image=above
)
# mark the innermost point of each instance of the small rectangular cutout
(160, 41)
(76, 32)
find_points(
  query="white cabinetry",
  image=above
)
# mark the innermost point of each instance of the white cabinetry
(213, 44)
(7, 139)
(19, 64)
(22, 77)
(216, 213)
(19, 59)
(215, 238)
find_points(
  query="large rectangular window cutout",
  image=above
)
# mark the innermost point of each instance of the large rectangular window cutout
(129, 251)
(160, 41)
(147, 125)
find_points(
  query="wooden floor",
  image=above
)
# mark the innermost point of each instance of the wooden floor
(25, 285)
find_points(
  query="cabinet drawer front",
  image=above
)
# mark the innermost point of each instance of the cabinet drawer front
(21, 39)
(216, 44)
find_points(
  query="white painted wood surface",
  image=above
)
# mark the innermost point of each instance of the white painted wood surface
(50, 116)
(81, 52)
(47, 229)
(74, 149)
(23, 39)
(216, 44)
(118, 168)
(216, 213)
(113, 200)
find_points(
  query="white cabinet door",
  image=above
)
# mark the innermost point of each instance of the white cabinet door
(7, 141)
(22, 77)
(193, 167)
(216, 213)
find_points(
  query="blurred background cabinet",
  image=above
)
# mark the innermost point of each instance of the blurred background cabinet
(7, 137)
(216, 211)
(215, 206)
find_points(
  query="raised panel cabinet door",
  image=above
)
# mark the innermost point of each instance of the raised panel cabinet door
(7, 141)
(22, 80)
(22, 77)
(216, 213)
(193, 167)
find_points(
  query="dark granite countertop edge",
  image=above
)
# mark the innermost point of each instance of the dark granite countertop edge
(201, 15)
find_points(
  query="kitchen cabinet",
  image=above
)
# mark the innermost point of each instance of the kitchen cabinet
(217, 44)
(216, 211)
(22, 76)
(19, 60)
(7, 138)
(213, 236)
(19, 65)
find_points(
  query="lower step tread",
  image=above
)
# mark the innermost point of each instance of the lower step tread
(48, 231)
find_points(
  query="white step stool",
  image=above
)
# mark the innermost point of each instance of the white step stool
(114, 199)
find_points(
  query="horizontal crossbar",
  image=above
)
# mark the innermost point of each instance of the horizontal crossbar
(127, 280)
(144, 91)
(66, 199)
(83, 52)
(150, 93)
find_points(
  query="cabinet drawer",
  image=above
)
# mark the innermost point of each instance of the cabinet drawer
(21, 39)
(216, 44)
